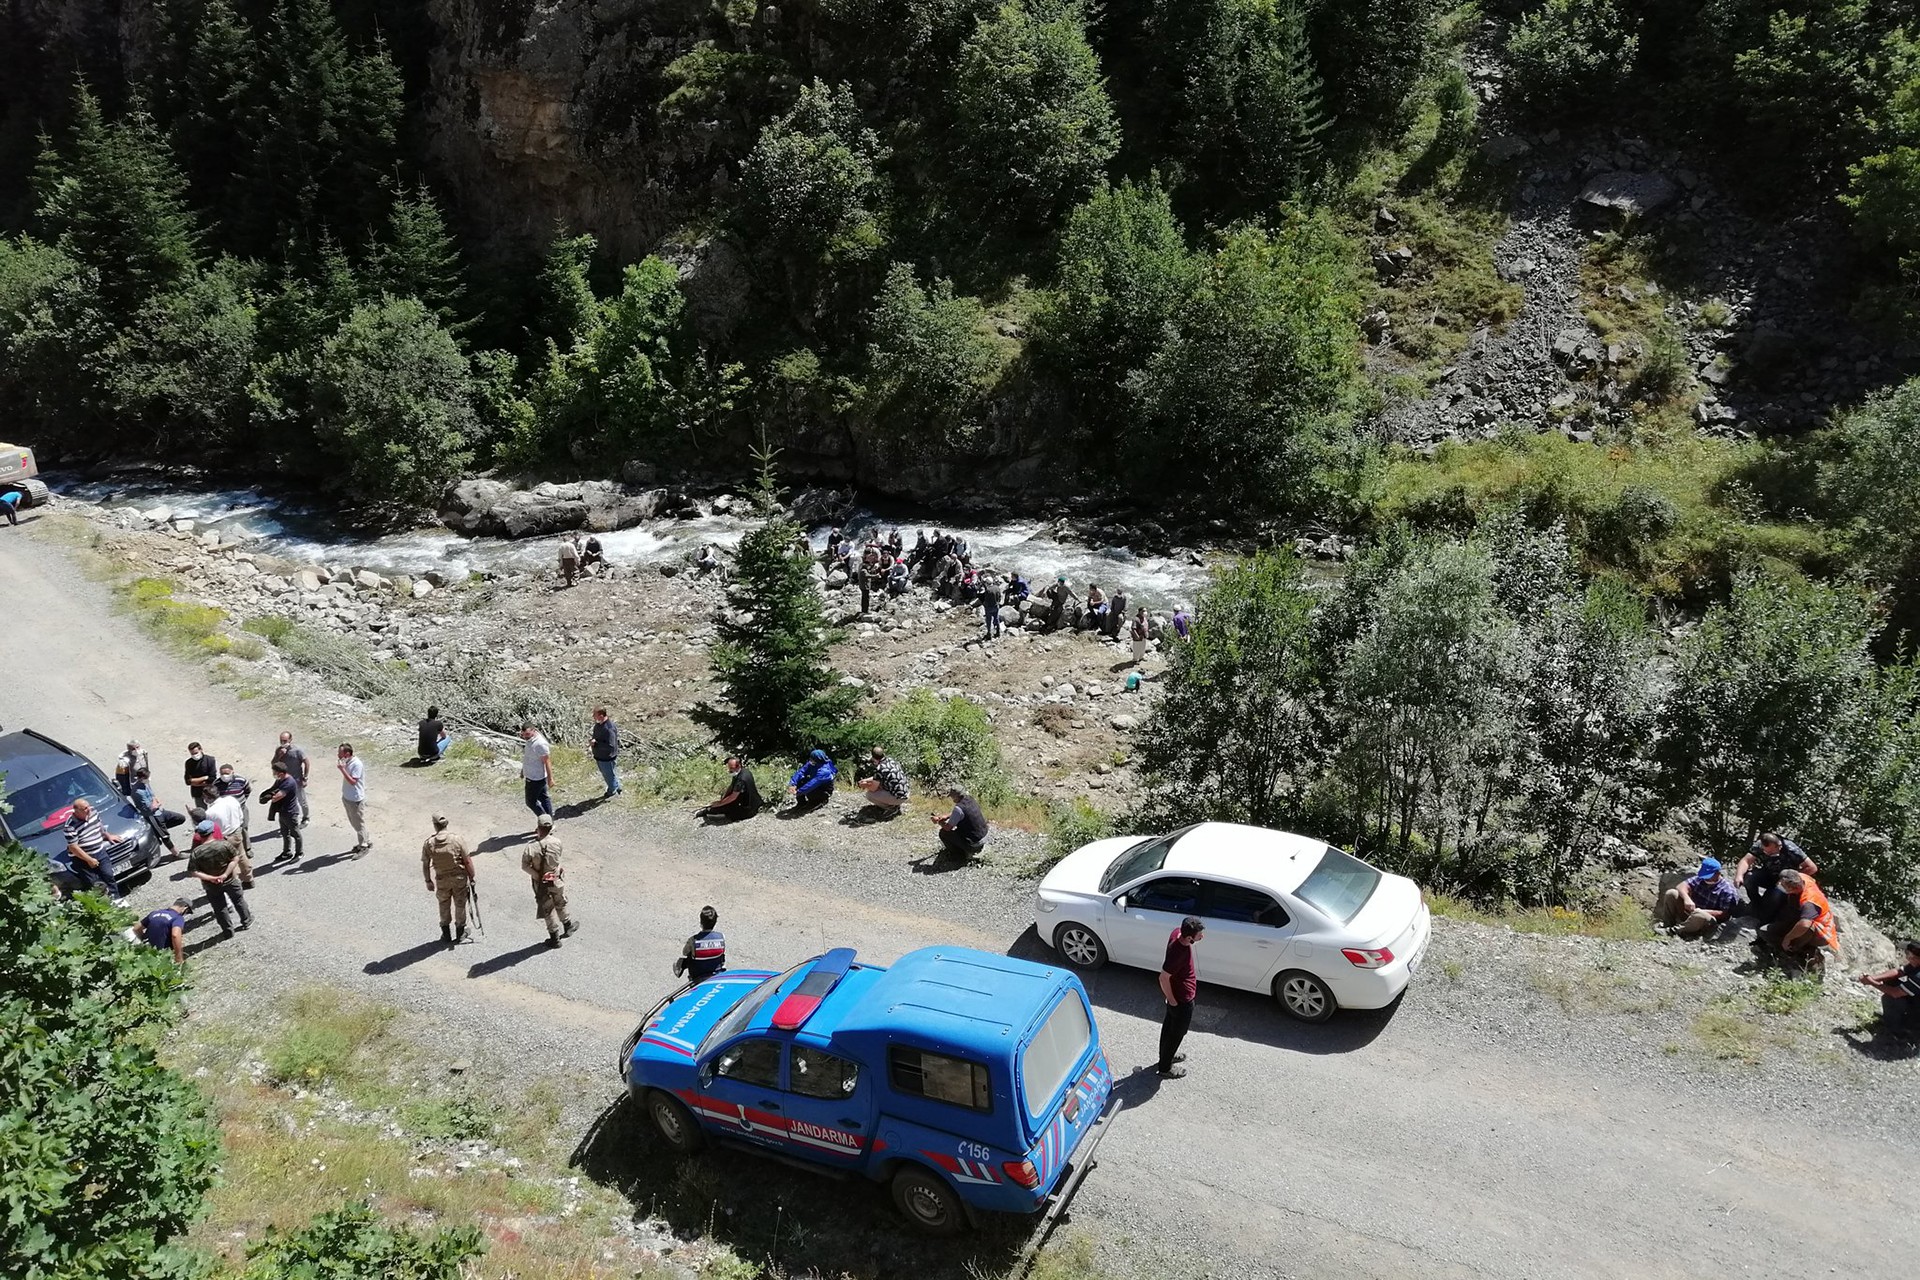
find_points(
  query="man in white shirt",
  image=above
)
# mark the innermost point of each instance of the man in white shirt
(353, 796)
(229, 813)
(536, 769)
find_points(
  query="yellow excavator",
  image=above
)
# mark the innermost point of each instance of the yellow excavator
(19, 472)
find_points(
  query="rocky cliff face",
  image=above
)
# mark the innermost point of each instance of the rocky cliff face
(542, 114)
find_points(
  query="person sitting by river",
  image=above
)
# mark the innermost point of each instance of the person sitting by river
(946, 579)
(593, 555)
(1696, 907)
(1804, 925)
(921, 550)
(894, 546)
(897, 578)
(705, 562)
(1018, 591)
(812, 783)
(1096, 608)
(1060, 597)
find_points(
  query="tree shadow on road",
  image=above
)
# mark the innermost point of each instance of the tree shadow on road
(1221, 1011)
(493, 844)
(774, 1215)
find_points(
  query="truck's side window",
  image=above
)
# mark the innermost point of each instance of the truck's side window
(944, 1079)
(817, 1074)
(753, 1061)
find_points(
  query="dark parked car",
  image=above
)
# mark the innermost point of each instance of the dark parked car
(40, 779)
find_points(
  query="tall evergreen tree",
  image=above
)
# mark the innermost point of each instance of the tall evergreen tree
(418, 258)
(206, 89)
(114, 202)
(778, 694)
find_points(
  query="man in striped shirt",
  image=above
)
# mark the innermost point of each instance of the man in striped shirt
(87, 858)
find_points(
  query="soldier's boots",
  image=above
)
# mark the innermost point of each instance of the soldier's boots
(446, 935)
(460, 936)
(570, 930)
(553, 941)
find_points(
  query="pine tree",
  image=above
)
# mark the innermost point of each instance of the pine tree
(1283, 113)
(209, 97)
(418, 258)
(115, 203)
(780, 695)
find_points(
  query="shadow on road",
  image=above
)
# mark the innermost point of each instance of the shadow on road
(1221, 1011)
(575, 808)
(774, 1215)
(507, 959)
(307, 865)
(493, 844)
(402, 959)
(938, 863)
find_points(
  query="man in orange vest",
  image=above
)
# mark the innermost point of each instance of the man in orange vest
(1805, 922)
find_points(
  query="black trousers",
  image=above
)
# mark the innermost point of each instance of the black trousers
(812, 799)
(954, 842)
(1173, 1029)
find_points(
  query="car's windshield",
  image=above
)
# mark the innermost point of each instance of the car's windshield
(1140, 859)
(46, 802)
(1339, 886)
(736, 1021)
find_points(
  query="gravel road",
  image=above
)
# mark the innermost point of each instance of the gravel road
(1479, 1130)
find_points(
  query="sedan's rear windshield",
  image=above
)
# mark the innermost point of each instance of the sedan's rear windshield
(1147, 856)
(1339, 886)
(34, 805)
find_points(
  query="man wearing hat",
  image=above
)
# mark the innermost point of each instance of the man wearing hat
(541, 861)
(215, 863)
(1696, 907)
(812, 783)
(448, 869)
(164, 928)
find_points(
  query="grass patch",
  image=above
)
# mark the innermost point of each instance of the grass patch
(1620, 921)
(457, 1118)
(181, 625)
(1670, 512)
(1727, 1036)
(273, 627)
(1783, 996)
(329, 1036)
(1595, 991)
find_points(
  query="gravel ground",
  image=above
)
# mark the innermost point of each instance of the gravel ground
(1524, 1083)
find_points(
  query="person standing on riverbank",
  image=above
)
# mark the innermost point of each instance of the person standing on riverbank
(297, 768)
(536, 770)
(569, 559)
(606, 751)
(1139, 634)
(353, 798)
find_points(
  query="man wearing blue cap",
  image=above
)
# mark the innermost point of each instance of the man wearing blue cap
(1696, 907)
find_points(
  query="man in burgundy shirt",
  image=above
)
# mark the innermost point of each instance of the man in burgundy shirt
(1179, 983)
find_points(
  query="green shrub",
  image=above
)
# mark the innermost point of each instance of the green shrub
(1073, 823)
(942, 742)
(273, 626)
(355, 1243)
(459, 1118)
(1567, 53)
(1664, 371)
(105, 1152)
(308, 1055)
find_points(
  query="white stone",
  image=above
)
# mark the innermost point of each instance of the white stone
(422, 589)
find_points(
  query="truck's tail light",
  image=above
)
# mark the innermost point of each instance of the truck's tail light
(1368, 957)
(1022, 1172)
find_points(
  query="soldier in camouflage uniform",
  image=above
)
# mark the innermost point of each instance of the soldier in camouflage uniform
(541, 861)
(448, 869)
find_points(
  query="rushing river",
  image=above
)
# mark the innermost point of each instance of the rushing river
(285, 526)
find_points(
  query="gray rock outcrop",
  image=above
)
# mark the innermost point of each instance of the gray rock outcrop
(498, 508)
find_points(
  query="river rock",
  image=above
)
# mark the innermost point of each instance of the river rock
(307, 580)
(422, 589)
(1124, 723)
(368, 579)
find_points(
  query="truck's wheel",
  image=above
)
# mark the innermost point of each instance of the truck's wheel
(1080, 945)
(675, 1123)
(927, 1201)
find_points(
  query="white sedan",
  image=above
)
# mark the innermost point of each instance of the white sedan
(1316, 928)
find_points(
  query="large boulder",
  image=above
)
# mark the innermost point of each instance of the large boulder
(496, 508)
(1625, 194)
(1863, 948)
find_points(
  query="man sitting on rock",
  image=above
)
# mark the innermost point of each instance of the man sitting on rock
(705, 562)
(1899, 990)
(1760, 871)
(594, 557)
(1694, 908)
(1804, 924)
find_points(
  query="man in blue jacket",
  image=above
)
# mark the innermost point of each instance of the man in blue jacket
(812, 783)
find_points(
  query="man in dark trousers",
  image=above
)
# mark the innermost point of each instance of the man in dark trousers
(963, 828)
(742, 797)
(705, 953)
(1180, 985)
(283, 809)
(297, 768)
(164, 928)
(606, 751)
(199, 774)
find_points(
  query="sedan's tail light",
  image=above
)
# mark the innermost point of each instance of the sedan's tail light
(1022, 1172)
(1368, 957)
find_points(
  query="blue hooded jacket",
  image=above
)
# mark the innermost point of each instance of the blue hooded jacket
(816, 772)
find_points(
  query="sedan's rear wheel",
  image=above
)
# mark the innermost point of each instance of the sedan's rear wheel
(1304, 996)
(1080, 945)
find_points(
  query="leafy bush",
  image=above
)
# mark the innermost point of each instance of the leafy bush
(1565, 54)
(273, 626)
(931, 362)
(355, 1243)
(105, 1152)
(1871, 482)
(1072, 824)
(943, 742)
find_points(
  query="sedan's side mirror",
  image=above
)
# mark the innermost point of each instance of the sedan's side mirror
(1121, 902)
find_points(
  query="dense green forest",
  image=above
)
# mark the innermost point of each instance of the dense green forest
(1130, 235)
